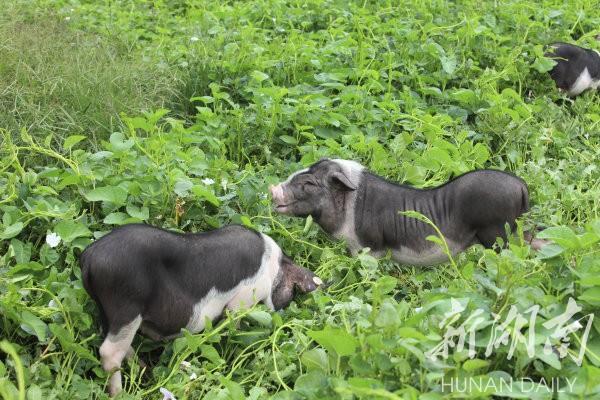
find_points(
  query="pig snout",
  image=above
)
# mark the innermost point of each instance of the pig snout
(280, 198)
(308, 282)
(277, 194)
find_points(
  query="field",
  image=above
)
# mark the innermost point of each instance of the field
(181, 113)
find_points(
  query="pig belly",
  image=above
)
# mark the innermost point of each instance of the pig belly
(431, 255)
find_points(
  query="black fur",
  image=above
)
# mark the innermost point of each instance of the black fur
(142, 270)
(571, 61)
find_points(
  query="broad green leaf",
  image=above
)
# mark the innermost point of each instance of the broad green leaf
(12, 230)
(311, 383)
(408, 332)
(118, 142)
(591, 296)
(68, 343)
(387, 316)
(70, 230)
(543, 64)
(72, 141)
(142, 213)
(315, 359)
(22, 251)
(206, 194)
(111, 194)
(261, 317)
(288, 139)
(182, 187)
(33, 325)
(119, 218)
(475, 364)
(561, 235)
(235, 390)
(335, 340)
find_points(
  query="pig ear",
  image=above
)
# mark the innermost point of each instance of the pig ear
(341, 179)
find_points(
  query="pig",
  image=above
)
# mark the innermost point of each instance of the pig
(156, 281)
(577, 69)
(353, 204)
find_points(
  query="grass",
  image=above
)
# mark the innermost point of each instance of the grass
(55, 80)
(181, 94)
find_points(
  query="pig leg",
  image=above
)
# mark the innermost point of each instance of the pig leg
(487, 236)
(114, 349)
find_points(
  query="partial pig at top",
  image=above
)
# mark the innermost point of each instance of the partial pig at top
(577, 69)
(146, 278)
(353, 204)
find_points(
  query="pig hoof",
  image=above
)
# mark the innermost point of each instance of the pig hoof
(317, 281)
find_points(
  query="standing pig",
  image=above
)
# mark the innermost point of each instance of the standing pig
(351, 203)
(576, 70)
(146, 278)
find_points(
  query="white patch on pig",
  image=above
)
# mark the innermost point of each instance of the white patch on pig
(245, 294)
(584, 81)
(114, 349)
(430, 256)
(347, 230)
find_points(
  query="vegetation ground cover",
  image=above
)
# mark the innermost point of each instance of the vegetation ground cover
(181, 113)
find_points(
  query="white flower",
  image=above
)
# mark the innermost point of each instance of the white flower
(52, 239)
(67, 18)
(208, 181)
(194, 39)
(167, 395)
(193, 376)
(186, 364)
(224, 184)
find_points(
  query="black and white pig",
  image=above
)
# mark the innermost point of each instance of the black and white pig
(576, 70)
(146, 278)
(351, 203)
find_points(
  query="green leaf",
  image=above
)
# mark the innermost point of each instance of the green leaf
(591, 296)
(72, 141)
(142, 213)
(211, 354)
(311, 383)
(12, 230)
(111, 194)
(70, 230)
(315, 359)
(549, 251)
(206, 194)
(33, 325)
(22, 251)
(68, 343)
(235, 390)
(182, 187)
(263, 318)
(543, 64)
(259, 76)
(475, 364)
(119, 218)
(118, 142)
(335, 340)
(561, 235)
(34, 392)
(288, 139)
(387, 316)
(408, 332)
(448, 64)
